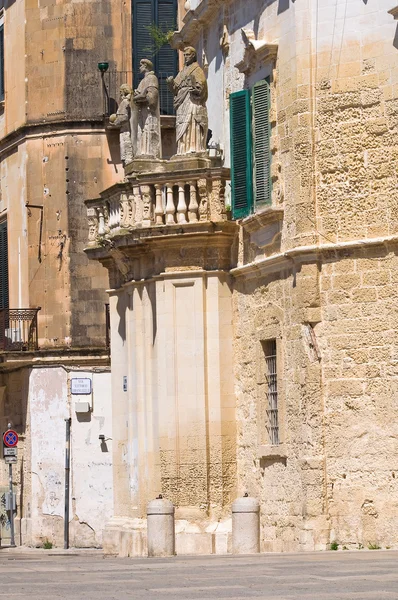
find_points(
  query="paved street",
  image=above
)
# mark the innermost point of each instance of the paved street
(362, 575)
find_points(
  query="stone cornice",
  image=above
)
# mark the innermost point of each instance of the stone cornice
(283, 260)
(30, 131)
(394, 12)
(194, 21)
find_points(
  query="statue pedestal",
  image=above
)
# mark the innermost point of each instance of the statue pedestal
(145, 164)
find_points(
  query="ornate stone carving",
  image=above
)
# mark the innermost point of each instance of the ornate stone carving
(146, 205)
(203, 200)
(217, 201)
(190, 96)
(256, 52)
(121, 120)
(145, 114)
(92, 217)
(138, 205)
(125, 211)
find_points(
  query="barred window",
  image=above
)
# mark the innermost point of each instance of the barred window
(271, 378)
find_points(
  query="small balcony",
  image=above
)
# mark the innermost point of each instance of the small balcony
(18, 329)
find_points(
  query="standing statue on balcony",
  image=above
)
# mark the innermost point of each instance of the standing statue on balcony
(190, 95)
(145, 118)
(121, 120)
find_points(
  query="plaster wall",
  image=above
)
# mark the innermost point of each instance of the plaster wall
(44, 400)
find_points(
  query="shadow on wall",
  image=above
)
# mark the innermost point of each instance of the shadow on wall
(395, 42)
(121, 310)
(283, 5)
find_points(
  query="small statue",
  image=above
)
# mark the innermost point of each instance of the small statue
(190, 95)
(145, 122)
(121, 120)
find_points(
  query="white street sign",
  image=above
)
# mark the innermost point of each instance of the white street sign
(10, 460)
(9, 451)
(80, 385)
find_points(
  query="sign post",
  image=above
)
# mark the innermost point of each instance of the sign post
(10, 441)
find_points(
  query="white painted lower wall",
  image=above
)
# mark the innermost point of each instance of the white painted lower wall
(41, 495)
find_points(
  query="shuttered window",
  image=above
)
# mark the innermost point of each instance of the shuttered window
(261, 143)
(3, 265)
(250, 149)
(241, 154)
(163, 15)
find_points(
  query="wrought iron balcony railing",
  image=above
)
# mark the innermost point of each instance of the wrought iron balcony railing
(18, 329)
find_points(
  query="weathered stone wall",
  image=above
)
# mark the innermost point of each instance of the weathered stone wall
(334, 143)
(359, 358)
(53, 78)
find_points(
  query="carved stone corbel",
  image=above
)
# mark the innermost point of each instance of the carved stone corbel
(256, 52)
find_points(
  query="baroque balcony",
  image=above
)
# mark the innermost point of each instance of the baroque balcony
(162, 204)
(18, 329)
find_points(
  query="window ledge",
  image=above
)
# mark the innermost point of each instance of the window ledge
(262, 218)
(268, 451)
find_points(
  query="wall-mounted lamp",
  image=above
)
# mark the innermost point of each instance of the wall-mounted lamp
(103, 67)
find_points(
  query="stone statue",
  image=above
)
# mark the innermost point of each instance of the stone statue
(145, 118)
(121, 120)
(190, 95)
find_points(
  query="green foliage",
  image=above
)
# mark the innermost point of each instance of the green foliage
(47, 545)
(374, 547)
(159, 38)
(334, 546)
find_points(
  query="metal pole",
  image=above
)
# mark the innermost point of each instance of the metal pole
(11, 500)
(67, 478)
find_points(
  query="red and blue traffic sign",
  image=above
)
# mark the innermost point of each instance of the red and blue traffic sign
(10, 438)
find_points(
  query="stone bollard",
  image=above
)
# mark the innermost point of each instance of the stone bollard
(245, 526)
(161, 532)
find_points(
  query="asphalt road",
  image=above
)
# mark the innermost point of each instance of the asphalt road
(362, 575)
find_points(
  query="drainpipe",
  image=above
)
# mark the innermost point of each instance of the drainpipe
(67, 480)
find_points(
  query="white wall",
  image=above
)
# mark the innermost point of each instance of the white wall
(91, 461)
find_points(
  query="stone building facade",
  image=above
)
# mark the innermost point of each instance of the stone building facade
(258, 355)
(55, 151)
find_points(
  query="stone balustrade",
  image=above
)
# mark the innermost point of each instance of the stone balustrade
(158, 200)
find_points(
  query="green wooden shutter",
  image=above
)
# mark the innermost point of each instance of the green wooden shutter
(166, 60)
(3, 265)
(241, 154)
(1, 63)
(143, 47)
(261, 143)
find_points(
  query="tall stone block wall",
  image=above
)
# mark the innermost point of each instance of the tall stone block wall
(359, 355)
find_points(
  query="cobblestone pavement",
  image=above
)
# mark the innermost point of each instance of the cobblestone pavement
(38, 575)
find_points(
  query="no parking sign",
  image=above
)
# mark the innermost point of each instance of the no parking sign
(10, 438)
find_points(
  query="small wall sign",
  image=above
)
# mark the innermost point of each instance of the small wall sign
(124, 383)
(80, 386)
